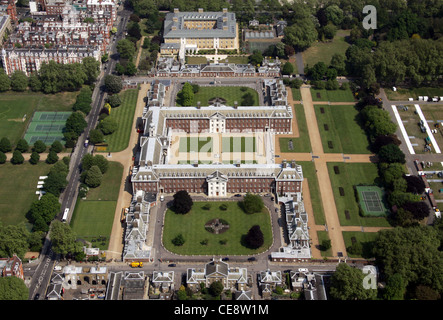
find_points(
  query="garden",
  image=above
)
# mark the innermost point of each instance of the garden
(215, 228)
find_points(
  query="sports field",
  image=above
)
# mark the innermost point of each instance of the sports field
(371, 201)
(47, 127)
(16, 110)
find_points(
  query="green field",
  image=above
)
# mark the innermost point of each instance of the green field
(366, 239)
(340, 130)
(238, 144)
(230, 94)
(18, 191)
(192, 227)
(302, 143)
(14, 106)
(323, 235)
(93, 217)
(338, 95)
(124, 114)
(195, 144)
(296, 94)
(323, 51)
(309, 172)
(350, 175)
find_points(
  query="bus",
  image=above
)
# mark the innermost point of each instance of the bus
(65, 215)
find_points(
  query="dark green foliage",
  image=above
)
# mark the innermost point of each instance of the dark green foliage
(39, 146)
(178, 240)
(52, 157)
(254, 239)
(5, 145)
(35, 158)
(17, 157)
(22, 145)
(93, 177)
(182, 203)
(252, 203)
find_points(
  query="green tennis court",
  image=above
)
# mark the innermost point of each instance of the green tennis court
(371, 201)
(47, 127)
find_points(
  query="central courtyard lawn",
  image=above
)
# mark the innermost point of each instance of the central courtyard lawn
(340, 130)
(230, 94)
(18, 191)
(93, 218)
(348, 176)
(14, 106)
(192, 227)
(194, 144)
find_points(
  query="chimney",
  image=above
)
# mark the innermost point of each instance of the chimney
(225, 10)
(200, 10)
(176, 10)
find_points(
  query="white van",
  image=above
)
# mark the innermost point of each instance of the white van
(162, 198)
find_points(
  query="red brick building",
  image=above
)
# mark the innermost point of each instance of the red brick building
(11, 267)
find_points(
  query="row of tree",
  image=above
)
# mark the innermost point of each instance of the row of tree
(53, 77)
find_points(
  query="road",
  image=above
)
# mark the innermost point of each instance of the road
(47, 260)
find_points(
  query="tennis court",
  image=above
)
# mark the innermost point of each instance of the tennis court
(47, 127)
(371, 200)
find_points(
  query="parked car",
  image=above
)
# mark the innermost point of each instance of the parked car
(37, 296)
(252, 259)
(225, 259)
(172, 265)
(237, 195)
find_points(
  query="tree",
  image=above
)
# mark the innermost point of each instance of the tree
(338, 62)
(2, 157)
(419, 210)
(39, 146)
(347, 284)
(247, 99)
(334, 14)
(17, 157)
(186, 95)
(256, 58)
(93, 177)
(179, 240)
(131, 69)
(63, 238)
(413, 253)
(318, 71)
(5, 82)
(91, 68)
(301, 35)
(56, 146)
(288, 68)
(22, 145)
(46, 208)
(415, 184)
(254, 239)
(216, 288)
(134, 30)
(113, 84)
(114, 100)
(108, 125)
(14, 240)
(5, 145)
(76, 123)
(395, 288)
(125, 48)
(19, 81)
(55, 183)
(252, 203)
(52, 157)
(383, 140)
(35, 158)
(391, 153)
(34, 82)
(49, 77)
(329, 31)
(96, 136)
(13, 288)
(182, 202)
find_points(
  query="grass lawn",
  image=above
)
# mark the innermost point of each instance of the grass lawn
(302, 143)
(13, 107)
(339, 125)
(192, 227)
(323, 235)
(310, 174)
(403, 94)
(296, 95)
(351, 174)
(18, 191)
(332, 95)
(323, 51)
(124, 114)
(366, 239)
(236, 60)
(238, 144)
(231, 94)
(193, 144)
(93, 217)
(196, 60)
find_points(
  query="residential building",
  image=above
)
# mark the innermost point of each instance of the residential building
(5, 27)
(163, 281)
(268, 281)
(232, 278)
(8, 7)
(11, 267)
